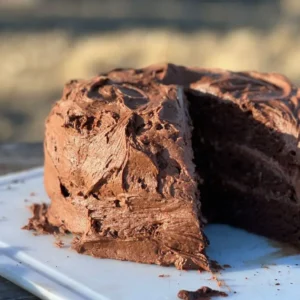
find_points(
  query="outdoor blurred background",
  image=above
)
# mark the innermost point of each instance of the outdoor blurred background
(44, 43)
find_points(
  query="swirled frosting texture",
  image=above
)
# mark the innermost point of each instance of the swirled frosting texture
(119, 171)
(271, 89)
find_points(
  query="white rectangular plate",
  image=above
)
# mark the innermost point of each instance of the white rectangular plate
(260, 268)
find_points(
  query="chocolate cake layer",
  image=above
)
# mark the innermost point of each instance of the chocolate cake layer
(245, 142)
(249, 130)
(119, 171)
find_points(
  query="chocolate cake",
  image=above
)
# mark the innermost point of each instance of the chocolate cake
(131, 154)
(119, 171)
(245, 143)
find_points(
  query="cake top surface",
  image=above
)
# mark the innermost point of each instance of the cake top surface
(271, 89)
(141, 126)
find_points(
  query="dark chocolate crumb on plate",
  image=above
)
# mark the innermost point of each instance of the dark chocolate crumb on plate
(226, 266)
(204, 293)
(215, 266)
(39, 221)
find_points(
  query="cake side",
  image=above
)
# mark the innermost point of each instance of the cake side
(119, 171)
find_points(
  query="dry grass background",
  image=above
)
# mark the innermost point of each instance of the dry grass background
(45, 43)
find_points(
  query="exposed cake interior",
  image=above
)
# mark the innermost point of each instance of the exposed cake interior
(249, 168)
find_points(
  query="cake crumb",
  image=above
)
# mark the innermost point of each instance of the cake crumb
(220, 283)
(204, 293)
(39, 222)
(59, 243)
(164, 275)
(32, 194)
(277, 283)
(226, 266)
(215, 266)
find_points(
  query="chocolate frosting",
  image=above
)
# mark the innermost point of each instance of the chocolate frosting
(119, 171)
(119, 163)
(271, 89)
